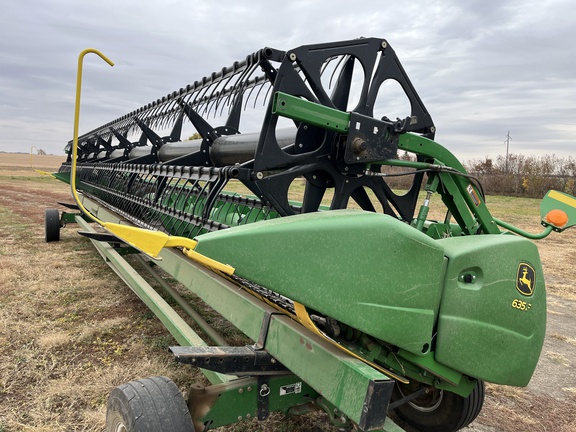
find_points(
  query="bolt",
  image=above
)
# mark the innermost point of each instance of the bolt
(273, 361)
(248, 416)
(249, 389)
(259, 175)
(384, 44)
(359, 145)
(300, 145)
(432, 129)
(239, 418)
(241, 391)
(292, 57)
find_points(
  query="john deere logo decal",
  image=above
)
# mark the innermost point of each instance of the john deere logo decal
(525, 279)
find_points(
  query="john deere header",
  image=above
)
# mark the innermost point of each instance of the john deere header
(357, 301)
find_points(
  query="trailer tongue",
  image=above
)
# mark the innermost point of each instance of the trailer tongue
(357, 303)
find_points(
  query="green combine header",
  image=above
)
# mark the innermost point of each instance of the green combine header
(357, 302)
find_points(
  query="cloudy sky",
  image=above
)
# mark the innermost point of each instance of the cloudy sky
(481, 67)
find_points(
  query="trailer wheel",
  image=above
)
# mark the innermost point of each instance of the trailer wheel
(149, 405)
(440, 411)
(52, 225)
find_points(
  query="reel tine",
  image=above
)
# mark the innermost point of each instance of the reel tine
(267, 96)
(244, 78)
(342, 58)
(250, 95)
(326, 63)
(230, 93)
(212, 95)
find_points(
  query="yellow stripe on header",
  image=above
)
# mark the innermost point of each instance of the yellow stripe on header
(565, 199)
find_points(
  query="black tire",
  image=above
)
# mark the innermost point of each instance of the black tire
(52, 225)
(440, 411)
(149, 405)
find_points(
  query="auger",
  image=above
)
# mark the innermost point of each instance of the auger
(357, 302)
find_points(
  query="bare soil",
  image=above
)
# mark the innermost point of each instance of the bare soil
(70, 330)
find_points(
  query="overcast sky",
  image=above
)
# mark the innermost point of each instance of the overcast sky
(482, 68)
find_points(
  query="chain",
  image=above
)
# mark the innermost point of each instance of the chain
(279, 300)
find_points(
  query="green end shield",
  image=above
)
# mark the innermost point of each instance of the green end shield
(492, 318)
(558, 210)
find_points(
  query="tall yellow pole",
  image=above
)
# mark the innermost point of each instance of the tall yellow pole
(76, 123)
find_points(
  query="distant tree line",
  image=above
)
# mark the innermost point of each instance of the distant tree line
(520, 175)
(527, 176)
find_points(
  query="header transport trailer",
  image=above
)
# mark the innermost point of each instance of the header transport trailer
(356, 302)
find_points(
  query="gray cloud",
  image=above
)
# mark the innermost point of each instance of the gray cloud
(482, 68)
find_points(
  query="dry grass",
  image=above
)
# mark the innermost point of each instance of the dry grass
(513, 409)
(23, 161)
(70, 330)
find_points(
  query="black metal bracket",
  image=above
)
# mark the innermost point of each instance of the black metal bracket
(264, 329)
(251, 360)
(241, 361)
(152, 136)
(263, 399)
(68, 205)
(101, 237)
(118, 244)
(375, 408)
(370, 140)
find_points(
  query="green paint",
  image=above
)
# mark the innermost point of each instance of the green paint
(354, 266)
(238, 400)
(310, 113)
(484, 329)
(555, 200)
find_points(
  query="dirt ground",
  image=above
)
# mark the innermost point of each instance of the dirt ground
(63, 347)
